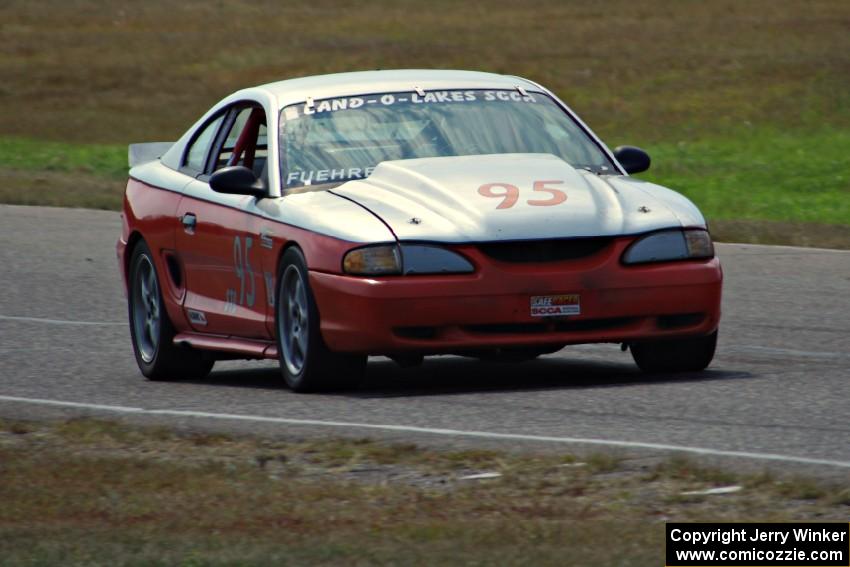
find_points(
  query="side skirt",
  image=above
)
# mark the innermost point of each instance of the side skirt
(249, 348)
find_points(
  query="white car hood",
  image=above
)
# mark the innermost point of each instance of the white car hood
(437, 199)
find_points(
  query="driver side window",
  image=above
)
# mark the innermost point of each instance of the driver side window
(246, 141)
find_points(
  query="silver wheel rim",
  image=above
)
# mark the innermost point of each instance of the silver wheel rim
(293, 323)
(146, 314)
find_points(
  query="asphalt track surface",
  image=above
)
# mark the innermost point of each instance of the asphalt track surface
(775, 396)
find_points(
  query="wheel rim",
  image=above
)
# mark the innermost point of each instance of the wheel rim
(146, 313)
(293, 323)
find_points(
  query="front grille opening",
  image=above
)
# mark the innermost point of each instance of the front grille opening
(585, 325)
(594, 324)
(507, 328)
(678, 321)
(527, 251)
(420, 333)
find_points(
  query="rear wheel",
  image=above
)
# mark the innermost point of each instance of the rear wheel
(305, 361)
(151, 329)
(680, 355)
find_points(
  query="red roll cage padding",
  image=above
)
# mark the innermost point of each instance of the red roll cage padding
(247, 141)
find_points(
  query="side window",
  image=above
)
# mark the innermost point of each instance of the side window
(246, 142)
(197, 154)
(232, 137)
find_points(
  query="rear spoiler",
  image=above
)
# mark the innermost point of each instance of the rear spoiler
(138, 154)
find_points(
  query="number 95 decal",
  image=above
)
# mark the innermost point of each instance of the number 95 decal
(510, 194)
(244, 271)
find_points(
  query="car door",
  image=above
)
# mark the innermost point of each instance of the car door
(218, 239)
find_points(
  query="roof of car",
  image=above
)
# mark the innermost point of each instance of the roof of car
(367, 82)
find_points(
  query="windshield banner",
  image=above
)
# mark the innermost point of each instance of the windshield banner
(389, 99)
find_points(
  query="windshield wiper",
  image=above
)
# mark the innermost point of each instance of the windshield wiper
(595, 169)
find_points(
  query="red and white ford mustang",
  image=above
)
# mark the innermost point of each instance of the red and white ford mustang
(405, 213)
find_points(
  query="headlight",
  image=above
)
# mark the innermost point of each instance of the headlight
(670, 245)
(382, 260)
(389, 259)
(423, 259)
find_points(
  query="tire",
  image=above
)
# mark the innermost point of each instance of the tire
(151, 330)
(306, 362)
(680, 355)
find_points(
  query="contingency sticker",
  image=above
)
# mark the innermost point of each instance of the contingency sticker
(549, 305)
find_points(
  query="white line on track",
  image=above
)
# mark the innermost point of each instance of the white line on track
(435, 431)
(59, 321)
(785, 351)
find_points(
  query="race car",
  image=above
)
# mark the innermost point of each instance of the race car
(321, 220)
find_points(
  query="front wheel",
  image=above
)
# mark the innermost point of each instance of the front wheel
(305, 361)
(691, 354)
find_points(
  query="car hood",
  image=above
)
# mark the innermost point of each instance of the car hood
(438, 199)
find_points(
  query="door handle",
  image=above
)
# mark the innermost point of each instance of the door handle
(189, 220)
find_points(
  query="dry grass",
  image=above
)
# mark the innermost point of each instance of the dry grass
(86, 492)
(659, 70)
(745, 106)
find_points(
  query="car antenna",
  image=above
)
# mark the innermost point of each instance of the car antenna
(522, 91)
(419, 91)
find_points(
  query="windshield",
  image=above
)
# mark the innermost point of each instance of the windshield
(335, 140)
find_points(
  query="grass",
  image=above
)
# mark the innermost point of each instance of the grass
(61, 174)
(762, 175)
(744, 106)
(84, 492)
(655, 72)
(100, 160)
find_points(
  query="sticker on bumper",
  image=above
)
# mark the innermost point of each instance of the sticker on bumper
(554, 305)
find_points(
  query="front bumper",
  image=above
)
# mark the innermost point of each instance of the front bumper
(491, 307)
(120, 251)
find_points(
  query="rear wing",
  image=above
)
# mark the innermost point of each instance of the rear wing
(138, 154)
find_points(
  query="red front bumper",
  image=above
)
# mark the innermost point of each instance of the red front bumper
(120, 250)
(491, 307)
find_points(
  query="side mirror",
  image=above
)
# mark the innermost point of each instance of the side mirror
(633, 160)
(237, 180)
